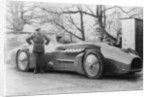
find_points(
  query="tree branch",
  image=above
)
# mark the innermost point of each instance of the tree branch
(72, 21)
(126, 12)
(89, 9)
(75, 12)
(106, 9)
(61, 26)
(68, 12)
(111, 21)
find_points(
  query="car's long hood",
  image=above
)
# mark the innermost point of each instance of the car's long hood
(79, 45)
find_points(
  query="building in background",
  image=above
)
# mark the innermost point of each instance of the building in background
(132, 34)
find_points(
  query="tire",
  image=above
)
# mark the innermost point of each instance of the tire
(23, 60)
(93, 64)
(130, 73)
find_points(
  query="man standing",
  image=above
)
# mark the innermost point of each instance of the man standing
(38, 41)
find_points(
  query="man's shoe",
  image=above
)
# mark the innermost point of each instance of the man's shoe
(42, 71)
(35, 72)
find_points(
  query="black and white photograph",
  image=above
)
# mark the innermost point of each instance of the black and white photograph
(62, 48)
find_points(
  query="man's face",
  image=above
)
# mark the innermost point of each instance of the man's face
(39, 33)
(36, 33)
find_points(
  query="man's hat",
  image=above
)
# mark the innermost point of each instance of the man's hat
(38, 29)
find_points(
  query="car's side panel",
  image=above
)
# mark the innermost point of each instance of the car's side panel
(115, 67)
(61, 61)
(78, 63)
(65, 61)
(116, 60)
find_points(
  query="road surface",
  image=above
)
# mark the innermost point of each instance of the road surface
(27, 83)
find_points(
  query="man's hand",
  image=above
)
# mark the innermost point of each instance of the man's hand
(47, 43)
(47, 40)
(28, 40)
(30, 43)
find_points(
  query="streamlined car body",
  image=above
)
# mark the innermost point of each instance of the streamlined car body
(92, 59)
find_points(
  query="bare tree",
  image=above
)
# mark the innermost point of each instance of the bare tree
(81, 28)
(61, 14)
(18, 16)
(100, 16)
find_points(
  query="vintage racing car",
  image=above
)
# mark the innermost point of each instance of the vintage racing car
(92, 59)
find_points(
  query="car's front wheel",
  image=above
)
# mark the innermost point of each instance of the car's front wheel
(22, 60)
(93, 64)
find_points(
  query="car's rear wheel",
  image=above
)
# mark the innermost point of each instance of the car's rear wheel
(92, 64)
(22, 60)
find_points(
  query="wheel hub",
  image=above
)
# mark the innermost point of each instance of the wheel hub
(92, 65)
(22, 60)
